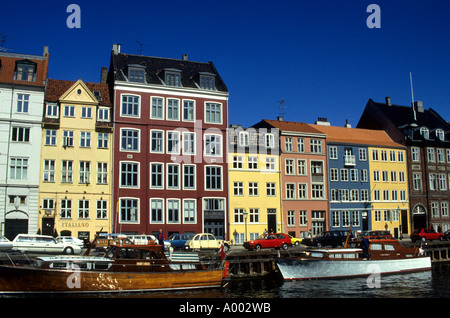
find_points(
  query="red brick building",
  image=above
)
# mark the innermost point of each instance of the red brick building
(170, 120)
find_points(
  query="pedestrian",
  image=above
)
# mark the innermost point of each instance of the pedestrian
(161, 239)
(365, 246)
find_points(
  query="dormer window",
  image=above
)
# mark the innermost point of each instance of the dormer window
(425, 133)
(25, 71)
(440, 134)
(172, 77)
(136, 73)
(207, 81)
(52, 110)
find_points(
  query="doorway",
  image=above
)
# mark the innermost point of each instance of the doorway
(272, 220)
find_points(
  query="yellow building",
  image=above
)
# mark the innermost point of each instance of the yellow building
(389, 190)
(75, 188)
(254, 183)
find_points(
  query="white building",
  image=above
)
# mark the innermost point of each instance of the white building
(23, 79)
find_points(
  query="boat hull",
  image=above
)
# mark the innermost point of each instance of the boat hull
(301, 269)
(29, 279)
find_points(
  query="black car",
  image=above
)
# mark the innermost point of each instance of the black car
(333, 238)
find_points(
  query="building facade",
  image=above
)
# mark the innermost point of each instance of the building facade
(425, 134)
(303, 166)
(170, 121)
(75, 189)
(254, 182)
(22, 83)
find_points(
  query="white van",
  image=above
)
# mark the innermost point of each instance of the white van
(43, 244)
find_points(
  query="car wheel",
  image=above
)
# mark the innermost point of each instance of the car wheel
(284, 246)
(423, 239)
(257, 247)
(68, 251)
(441, 238)
(297, 243)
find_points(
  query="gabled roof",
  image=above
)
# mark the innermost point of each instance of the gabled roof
(287, 126)
(57, 88)
(8, 63)
(155, 66)
(358, 136)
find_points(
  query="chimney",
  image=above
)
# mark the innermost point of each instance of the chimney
(104, 75)
(45, 51)
(185, 57)
(347, 125)
(322, 121)
(418, 106)
(280, 118)
(116, 49)
(388, 101)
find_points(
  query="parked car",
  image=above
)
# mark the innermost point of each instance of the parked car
(271, 240)
(447, 235)
(146, 239)
(205, 241)
(179, 240)
(5, 244)
(43, 244)
(426, 234)
(372, 235)
(333, 238)
(294, 240)
(70, 240)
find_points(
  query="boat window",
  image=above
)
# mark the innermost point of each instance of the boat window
(335, 255)
(349, 255)
(316, 254)
(58, 265)
(376, 247)
(389, 247)
(101, 266)
(111, 251)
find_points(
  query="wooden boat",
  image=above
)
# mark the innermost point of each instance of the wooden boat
(385, 257)
(123, 268)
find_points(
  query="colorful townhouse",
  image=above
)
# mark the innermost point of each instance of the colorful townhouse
(22, 84)
(426, 137)
(254, 182)
(367, 180)
(75, 187)
(303, 170)
(170, 120)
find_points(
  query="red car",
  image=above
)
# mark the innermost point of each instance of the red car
(272, 240)
(426, 234)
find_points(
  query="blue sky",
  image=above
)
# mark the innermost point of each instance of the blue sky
(319, 56)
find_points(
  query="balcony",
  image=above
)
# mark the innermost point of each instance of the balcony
(350, 160)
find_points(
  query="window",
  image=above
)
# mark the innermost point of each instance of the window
(425, 132)
(253, 188)
(103, 114)
(374, 154)
(239, 215)
(50, 137)
(20, 134)
(253, 215)
(301, 167)
(85, 169)
(157, 111)
(440, 155)
(317, 191)
(67, 138)
(270, 141)
(69, 111)
(189, 177)
(129, 139)
(384, 156)
(238, 188)
(173, 176)
(291, 218)
(173, 109)
(49, 170)
(316, 146)
(48, 204)
(173, 142)
(288, 144)
(51, 110)
(300, 145)
(102, 140)
(22, 103)
(303, 218)
(270, 189)
(136, 75)
(362, 154)
(86, 112)
(333, 152)
(173, 211)
(83, 209)
(18, 168)
(213, 113)
(102, 209)
(289, 167)
(290, 191)
(440, 134)
(213, 178)
(130, 106)
(156, 175)
(302, 191)
(66, 171)
(213, 145)
(237, 162)
(270, 163)
(157, 141)
(25, 71)
(102, 173)
(189, 211)
(156, 210)
(243, 139)
(173, 78)
(334, 174)
(129, 210)
(253, 163)
(188, 110)
(431, 156)
(85, 139)
(66, 209)
(189, 143)
(415, 154)
(129, 174)
(207, 82)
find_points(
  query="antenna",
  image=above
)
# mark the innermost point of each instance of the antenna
(282, 107)
(2, 41)
(140, 47)
(412, 95)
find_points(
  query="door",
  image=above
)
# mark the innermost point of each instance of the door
(14, 227)
(272, 220)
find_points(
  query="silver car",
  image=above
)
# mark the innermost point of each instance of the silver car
(43, 244)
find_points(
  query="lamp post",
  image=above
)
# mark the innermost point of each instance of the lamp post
(245, 221)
